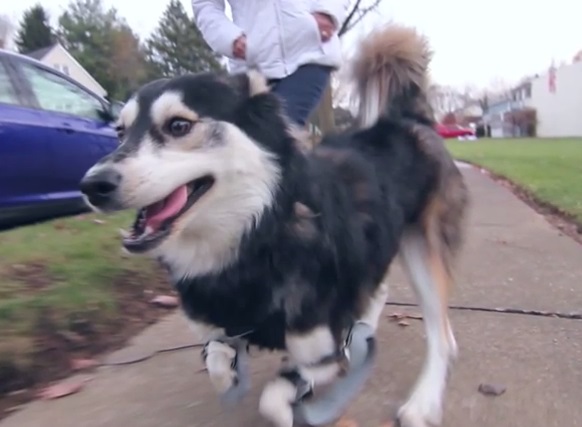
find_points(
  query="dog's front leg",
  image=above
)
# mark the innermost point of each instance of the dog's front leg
(225, 361)
(220, 361)
(301, 372)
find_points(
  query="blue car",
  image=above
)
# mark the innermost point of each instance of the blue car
(52, 130)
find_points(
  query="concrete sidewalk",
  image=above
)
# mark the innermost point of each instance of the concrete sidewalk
(514, 259)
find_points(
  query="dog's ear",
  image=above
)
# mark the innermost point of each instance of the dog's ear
(249, 84)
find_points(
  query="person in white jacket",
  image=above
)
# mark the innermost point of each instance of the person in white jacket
(294, 43)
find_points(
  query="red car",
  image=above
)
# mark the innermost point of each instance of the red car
(453, 131)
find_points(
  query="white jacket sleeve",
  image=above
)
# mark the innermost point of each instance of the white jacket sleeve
(218, 31)
(337, 9)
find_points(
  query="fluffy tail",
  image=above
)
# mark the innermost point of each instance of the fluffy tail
(391, 74)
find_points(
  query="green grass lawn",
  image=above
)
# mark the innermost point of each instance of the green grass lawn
(60, 276)
(551, 169)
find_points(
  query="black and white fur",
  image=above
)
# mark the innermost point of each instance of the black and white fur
(289, 248)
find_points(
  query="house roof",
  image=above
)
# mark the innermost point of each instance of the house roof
(40, 53)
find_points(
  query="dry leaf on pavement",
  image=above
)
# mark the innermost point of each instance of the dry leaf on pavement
(346, 422)
(400, 316)
(414, 316)
(63, 389)
(492, 389)
(83, 364)
(166, 301)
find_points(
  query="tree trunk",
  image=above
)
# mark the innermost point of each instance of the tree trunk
(325, 117)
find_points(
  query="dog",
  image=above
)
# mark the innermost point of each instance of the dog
(282, 248)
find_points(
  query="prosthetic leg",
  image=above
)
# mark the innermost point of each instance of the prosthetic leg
(358, 356)
(315, 360)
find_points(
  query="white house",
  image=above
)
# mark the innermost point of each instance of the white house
(557, 99)
(57, 57)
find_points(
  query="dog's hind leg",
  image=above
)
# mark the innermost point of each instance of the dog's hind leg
(431, 279)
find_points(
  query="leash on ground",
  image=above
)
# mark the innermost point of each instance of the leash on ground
(539, 313)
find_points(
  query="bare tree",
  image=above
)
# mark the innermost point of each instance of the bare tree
(497, 89)
(446, 99)
(6, 29)
(358, 11)
(340, 90)
(323, 116)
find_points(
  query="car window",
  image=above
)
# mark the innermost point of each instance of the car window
(7, 91)
(57, 94)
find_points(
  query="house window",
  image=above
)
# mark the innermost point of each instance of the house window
(7, 91)
(56, 94)
(62, 68)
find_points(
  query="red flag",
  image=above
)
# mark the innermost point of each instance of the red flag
(552, 78)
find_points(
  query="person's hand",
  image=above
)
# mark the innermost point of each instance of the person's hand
(325, 25)
(239, 47)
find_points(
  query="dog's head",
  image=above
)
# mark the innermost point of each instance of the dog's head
(196, 178)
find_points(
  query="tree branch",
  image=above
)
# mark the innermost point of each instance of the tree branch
(361, 13)
(345, 26)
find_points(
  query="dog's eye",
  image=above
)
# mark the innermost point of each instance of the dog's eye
(120, 130)
(178, 127)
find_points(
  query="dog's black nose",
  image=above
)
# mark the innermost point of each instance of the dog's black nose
(100, 186)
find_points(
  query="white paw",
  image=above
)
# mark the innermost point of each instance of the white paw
(219, 360)
(275, 403)
(420, 412)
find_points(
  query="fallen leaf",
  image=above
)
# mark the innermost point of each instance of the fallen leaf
(73, 338)
(83, 364)
(98, 221)
(400, 316)
(18, 392)
(414, 316)
(14, 409)
(166, 301)
(346, 422)
(63, 389)
(403, 323)
(492, 389)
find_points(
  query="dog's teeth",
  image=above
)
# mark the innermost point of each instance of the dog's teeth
(124, 233)
(148, 230)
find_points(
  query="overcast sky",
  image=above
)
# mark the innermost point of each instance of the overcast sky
(474, 42)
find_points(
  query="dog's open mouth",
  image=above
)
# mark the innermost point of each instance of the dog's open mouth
(154, 222)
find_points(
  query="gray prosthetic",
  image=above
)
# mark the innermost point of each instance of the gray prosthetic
(360, 352)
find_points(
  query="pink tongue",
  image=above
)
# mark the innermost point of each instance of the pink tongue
(157, 213)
